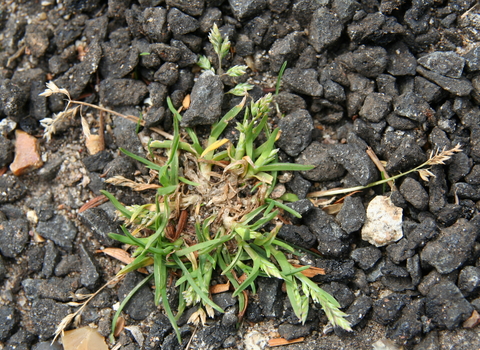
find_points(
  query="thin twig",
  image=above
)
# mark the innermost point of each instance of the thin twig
(129, 117)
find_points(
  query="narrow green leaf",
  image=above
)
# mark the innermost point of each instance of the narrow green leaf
(124, 302)
(125, 212)
(284, 207)
(148, 163)
(279, 77)
(164, 191)
(195, 287)
(289, 197)
(188, 182)
(285, 167)
(139, 123)
(220, 126)
(249, 280)
(139, 262)
(170, 315)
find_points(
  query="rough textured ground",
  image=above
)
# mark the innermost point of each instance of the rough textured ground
(402, 77)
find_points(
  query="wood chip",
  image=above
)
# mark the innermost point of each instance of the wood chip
(283, 341)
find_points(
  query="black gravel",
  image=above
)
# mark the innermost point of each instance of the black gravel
(402, 78)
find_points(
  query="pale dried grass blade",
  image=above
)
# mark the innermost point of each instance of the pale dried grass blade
(282, 341)
(122, 181)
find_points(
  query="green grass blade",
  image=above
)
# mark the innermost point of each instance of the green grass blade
(159, 271)
(279, 77)
(188, 182)
(195, 142)
(165, 191)
(148, 163)
(203, 247)
(182, 145)
(125, 212)
(285, 167)
(284, 207)
(126, 240)
(195, 287)
(249, 280)
(124, 302)
(139, 262)
(220, 126)
(170, 315)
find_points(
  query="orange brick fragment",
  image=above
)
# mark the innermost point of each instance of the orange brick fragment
(27, 155)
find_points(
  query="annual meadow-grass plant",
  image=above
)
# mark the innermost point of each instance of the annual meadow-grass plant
(213, 215)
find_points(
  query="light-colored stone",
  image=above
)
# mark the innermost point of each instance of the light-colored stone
(384, 222)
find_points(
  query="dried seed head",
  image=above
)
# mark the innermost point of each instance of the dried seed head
(54, 89)
(440, 157)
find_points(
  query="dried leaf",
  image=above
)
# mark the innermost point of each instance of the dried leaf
(94, 143)
(37, 238)
(473, 320)
(119, 326)
(425, 174)
(220, 288)
(186, 102)
(85, 338)
(120, 255)
(312, 271)
(122, 181)
(95, 202)
(333, 208)
(283, 341)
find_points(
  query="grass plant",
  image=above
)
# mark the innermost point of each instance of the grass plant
(212, 211)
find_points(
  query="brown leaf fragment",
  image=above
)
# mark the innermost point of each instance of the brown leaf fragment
(282, 341)
(220, 288)
(119, 327)
(27, 156)
(333, 208)
(312, 271)
(186, 102)
(85, 338)
(95, 202)
(473, 320)
(120, 255)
